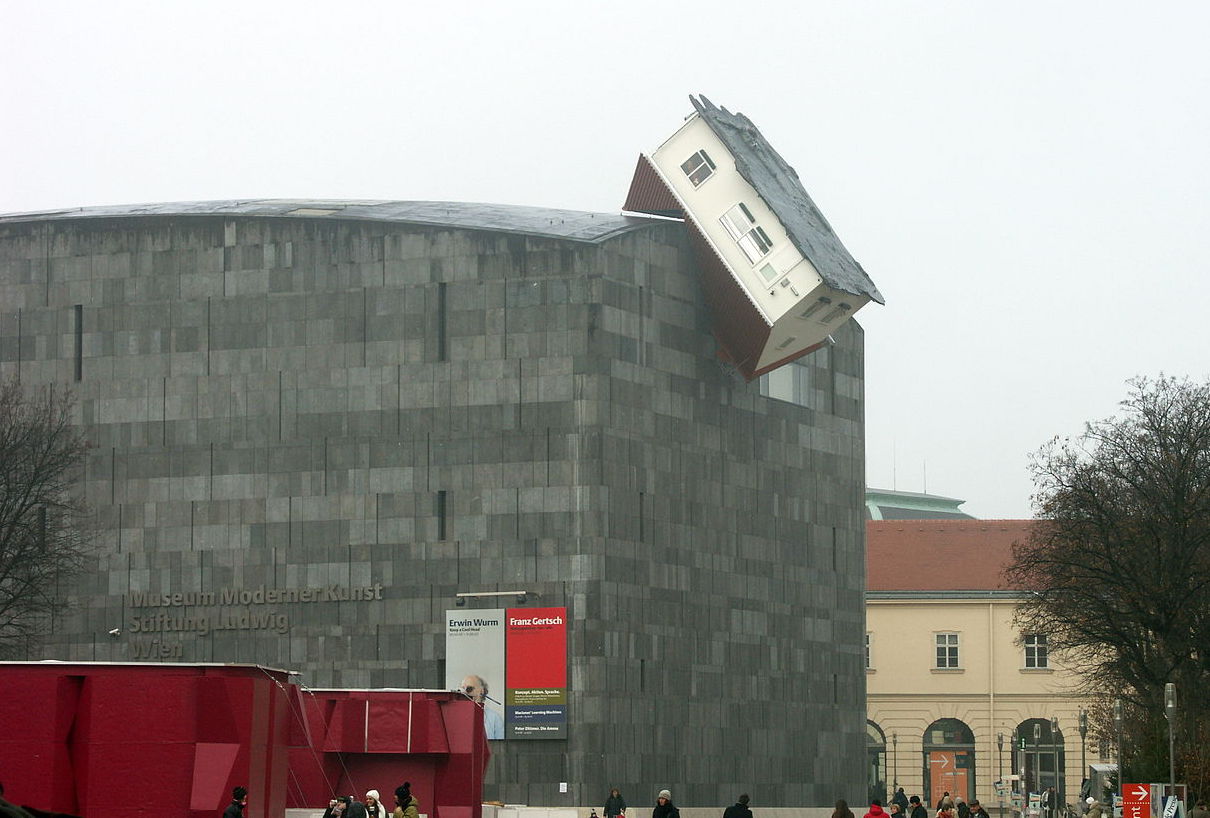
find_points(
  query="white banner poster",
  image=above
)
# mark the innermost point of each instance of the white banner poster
(474, 661)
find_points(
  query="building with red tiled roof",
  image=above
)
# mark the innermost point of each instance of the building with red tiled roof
(953, 686)
(940, 555)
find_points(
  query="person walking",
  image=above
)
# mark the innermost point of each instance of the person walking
(977, 810)
(945, 802)
(664, 808)
(964, 811)
(918, 809)
(374, 807)
(876, 810)
(842, 810)
(739, 809)
(900, 798)
(239, 800)
(406, 805)
(615, 804)
(1095, 810)
(1050, 803)
(355, 808)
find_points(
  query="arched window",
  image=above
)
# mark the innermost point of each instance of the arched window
(949, 761)
(875, 744)
(1038, 758)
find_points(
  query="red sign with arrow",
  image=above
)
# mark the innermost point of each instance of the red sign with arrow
(1136, 801)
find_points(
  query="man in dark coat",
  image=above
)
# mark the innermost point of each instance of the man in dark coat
(918, 809)
(739, 809)
(900, 798)
(664, 808)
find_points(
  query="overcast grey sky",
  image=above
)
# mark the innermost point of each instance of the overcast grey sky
(1028, 184)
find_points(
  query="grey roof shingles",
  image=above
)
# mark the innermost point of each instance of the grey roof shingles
(533, 221)
(778, 185)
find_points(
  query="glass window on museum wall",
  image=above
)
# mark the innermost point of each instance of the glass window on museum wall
(791, 383)
(868, 637)
(778, 384)
(1035, 651)
(947, 650)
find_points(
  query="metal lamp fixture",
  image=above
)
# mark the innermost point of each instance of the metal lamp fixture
(1170, 714)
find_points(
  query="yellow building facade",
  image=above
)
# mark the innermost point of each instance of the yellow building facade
(958, 697)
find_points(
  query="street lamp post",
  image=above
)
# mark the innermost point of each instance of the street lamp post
(1083, 756)
(1117, 726)
(1054, 751)
(1038, 755)
(895, 765)
(1170, 714)
(1000, 770)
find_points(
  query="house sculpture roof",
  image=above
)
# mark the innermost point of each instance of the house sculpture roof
(778, 185)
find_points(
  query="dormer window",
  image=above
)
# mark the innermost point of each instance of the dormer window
(750, 237)
(698, 167)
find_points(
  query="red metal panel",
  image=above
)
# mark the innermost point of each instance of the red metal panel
(213, 765)
(794, 356)
(96, 731)
(649, 194)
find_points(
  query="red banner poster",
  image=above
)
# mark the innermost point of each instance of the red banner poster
(535, 672)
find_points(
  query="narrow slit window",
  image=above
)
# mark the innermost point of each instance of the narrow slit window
(442, 308)
(79, 313)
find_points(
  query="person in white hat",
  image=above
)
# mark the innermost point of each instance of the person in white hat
(664, 808)
(374, 807)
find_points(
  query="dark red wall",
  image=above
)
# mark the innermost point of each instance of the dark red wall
(118, 740)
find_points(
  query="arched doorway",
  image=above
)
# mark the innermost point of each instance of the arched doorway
(949, 761)
(1038, 756)
(875, 754)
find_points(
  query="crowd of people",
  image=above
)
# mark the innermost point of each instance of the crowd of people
(406, 806)
(346, 806)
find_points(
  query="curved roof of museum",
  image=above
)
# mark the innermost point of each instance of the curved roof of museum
(532, 221)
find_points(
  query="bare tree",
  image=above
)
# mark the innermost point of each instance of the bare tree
(1119, 562)
(43, 537)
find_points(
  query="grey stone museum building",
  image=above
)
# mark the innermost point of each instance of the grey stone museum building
(315, 423)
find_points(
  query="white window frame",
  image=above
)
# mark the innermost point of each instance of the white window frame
(693, 166)
(1037, 651)
(951, 643)
(750, 236)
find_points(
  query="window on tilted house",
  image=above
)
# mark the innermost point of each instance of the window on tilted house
(750, 237)
(698, 167)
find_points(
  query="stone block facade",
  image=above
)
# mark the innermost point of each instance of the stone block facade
(380, 415)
